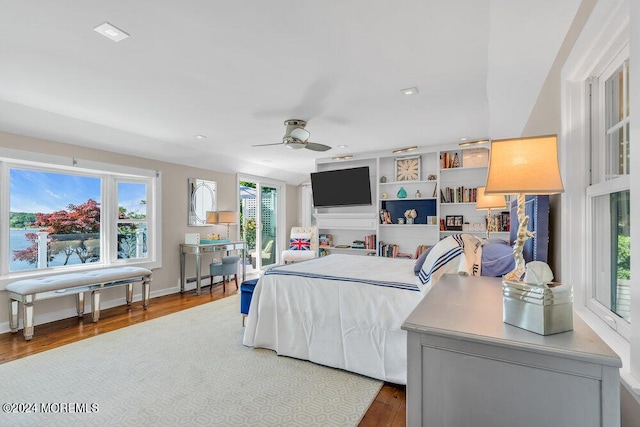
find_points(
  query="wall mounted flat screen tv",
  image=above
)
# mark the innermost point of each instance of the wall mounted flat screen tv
(342, 187)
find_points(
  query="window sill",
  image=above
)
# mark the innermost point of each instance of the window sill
(617, 344)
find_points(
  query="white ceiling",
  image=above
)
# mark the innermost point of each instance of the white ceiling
(235, 70)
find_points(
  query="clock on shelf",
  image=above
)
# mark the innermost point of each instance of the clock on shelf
(407, 168)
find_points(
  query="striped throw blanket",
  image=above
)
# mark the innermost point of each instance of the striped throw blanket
(456, 254)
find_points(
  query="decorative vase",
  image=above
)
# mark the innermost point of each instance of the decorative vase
(401, 193)
(383, 179)
(400, 220)
(409, 220)
(418, 194)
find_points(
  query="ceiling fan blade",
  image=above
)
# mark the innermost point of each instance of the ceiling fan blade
(265, 145)
(317, 147)
(300, 133)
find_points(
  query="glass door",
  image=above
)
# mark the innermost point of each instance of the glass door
(259, 222)
(269, 223)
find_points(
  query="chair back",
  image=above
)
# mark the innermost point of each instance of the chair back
(229, 264)
(313, 231)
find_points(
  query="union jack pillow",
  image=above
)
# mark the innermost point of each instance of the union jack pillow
(300, 244)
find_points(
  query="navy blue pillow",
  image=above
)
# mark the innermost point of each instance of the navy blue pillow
(497, 258)
(418, 266)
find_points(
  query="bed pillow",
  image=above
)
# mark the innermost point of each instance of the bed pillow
(497, 258)
(300, 242)
(420, 261)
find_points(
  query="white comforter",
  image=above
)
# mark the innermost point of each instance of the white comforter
(323, 310)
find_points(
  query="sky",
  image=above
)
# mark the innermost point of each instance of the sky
(46, 192)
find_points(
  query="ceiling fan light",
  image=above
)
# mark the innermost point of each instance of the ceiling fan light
(295, 144)
(300, 133)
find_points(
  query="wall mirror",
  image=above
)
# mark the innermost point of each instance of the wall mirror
(202, 199)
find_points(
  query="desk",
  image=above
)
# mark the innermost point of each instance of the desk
(208, 248)
(466, 367)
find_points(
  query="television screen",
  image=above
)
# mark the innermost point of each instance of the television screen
(343, 187)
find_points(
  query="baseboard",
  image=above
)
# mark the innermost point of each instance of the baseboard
(41, 319)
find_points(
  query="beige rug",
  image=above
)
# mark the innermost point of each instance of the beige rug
(187, 368)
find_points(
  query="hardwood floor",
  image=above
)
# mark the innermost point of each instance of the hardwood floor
(388, 409)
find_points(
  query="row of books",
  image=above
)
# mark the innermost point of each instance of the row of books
(369, 242)
(420, 250)
(448, 160)
(325, 240)
(391, 250)
(502, 221)
(458, 195)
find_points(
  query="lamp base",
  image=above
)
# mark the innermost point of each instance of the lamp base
(518, 245)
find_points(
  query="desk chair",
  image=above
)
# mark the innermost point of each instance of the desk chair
(228, 267)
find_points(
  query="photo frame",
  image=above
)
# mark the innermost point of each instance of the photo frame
(407, 168)
(454, 222)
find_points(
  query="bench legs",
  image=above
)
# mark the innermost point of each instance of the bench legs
(13, 315)
(95, 306)
(27, 312)
(146, 287)
(129, 294)
(80, 304)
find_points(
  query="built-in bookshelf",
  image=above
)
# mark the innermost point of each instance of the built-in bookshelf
(413, 208)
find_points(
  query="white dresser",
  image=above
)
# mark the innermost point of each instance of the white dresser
(468, 368)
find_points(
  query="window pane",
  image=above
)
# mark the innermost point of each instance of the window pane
(132, 240)
(132, 200)
(55, 219)
(611, 231)
(613, 99)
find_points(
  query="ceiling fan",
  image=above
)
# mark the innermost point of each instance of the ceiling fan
(296, 137)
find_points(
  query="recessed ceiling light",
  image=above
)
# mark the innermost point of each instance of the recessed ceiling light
(410, 90)
(465, 142)
(342, 146)
(111, 32)
(347, 157)
(201, 136)
(404, 150)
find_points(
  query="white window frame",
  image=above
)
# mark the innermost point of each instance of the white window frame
(601, 184)
(110, 175)
(605, 35)
(112, 245)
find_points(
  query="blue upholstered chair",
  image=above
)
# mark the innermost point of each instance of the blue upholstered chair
(228, 267)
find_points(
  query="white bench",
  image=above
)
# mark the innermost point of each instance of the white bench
(27, 291)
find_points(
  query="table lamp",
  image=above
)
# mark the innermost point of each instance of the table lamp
(212, 217)
(523, 166)
(487, 202)
(227, 217)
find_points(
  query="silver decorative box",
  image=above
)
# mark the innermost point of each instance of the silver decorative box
(544, 310)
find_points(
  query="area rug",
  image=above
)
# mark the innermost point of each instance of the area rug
(187, 368)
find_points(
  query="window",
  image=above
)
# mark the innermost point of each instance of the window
(608, 197)
(132, 220)
(62, 217)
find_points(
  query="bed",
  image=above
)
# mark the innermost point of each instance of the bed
(345, 311)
